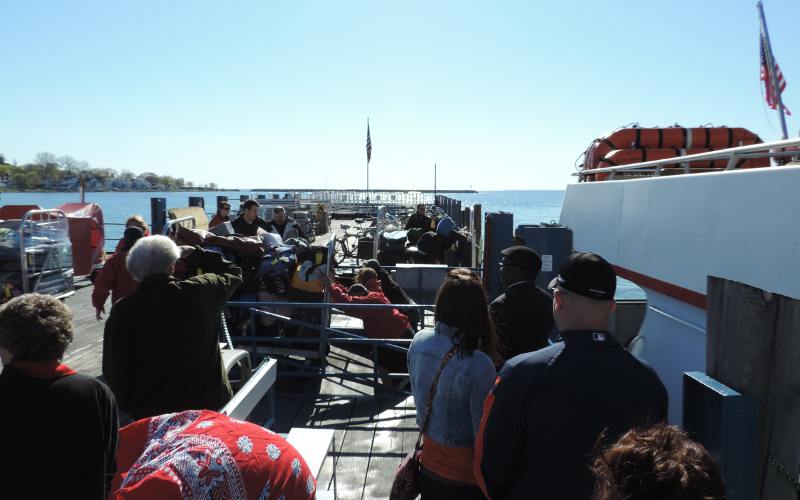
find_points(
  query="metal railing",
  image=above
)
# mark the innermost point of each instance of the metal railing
(328, 336)
(172, 222)
(733, 155)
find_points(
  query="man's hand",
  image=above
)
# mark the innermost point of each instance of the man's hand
(100, 311)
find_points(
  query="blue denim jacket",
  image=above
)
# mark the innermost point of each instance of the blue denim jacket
(463, 385)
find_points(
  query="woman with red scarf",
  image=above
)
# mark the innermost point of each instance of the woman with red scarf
(59, 428)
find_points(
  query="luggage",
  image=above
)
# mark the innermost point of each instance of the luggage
(390, 257)
(393, 240)
(364, 248)
(276, 269)
(414, 234)
(445, 226)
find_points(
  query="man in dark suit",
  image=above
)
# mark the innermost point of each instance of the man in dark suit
(523, 315)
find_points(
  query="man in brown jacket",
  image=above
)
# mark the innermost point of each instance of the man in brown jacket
(163, 338)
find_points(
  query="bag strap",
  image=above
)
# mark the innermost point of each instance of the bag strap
(429, 404)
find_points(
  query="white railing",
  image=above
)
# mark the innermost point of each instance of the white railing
(733, 155)
(168, 225)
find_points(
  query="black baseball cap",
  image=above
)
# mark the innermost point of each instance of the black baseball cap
(523, 257)
(587, 275)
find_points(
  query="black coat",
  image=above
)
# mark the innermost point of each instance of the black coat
(523, 316)
(164, 341)
(59, 436)
(245, 228)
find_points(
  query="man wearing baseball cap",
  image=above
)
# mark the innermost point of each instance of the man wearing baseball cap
(523, 314)
(549, 408)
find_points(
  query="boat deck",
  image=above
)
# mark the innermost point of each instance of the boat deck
(372, 431)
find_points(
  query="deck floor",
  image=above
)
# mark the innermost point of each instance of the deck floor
(372, 431)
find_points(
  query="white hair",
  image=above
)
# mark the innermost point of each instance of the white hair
(152, 255)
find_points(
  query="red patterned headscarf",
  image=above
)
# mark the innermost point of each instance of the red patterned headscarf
(204, 454)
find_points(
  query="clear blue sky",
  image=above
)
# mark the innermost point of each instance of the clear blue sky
(502, 95)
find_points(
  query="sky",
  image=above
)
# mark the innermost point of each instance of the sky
(258, 94)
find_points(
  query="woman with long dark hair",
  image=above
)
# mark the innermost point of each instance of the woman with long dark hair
(223, 214)
(463, 341)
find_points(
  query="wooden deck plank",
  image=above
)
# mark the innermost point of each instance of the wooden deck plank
(387, 451)
(355, 451)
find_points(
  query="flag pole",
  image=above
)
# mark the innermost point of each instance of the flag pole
(368, 155)
(773, 79)
(434, 182)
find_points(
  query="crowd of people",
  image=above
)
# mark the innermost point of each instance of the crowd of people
(528, 395)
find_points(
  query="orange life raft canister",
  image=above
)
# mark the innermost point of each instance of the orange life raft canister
(636, 144)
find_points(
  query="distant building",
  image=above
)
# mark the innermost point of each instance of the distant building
(141, 184)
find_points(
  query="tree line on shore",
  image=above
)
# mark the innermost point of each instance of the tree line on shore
(51, 172)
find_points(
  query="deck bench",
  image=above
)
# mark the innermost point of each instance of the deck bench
(313, 444)
(248, 396)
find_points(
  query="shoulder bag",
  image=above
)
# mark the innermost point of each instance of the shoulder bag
(406, 480)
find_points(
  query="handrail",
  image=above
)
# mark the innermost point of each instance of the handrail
(171, 222)
(326, 305)
(731, 153)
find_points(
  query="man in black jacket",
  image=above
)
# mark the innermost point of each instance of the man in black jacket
(248, 222)
(419, 219)
(523, 315)
(549, 408)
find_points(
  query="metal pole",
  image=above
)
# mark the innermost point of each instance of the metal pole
(434, 181)
(771, 68)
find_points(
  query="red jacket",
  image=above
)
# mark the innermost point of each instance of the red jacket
(217, 220)
(114, 278)
(378, 323)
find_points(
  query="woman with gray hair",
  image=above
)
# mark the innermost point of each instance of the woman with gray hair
(59, 427)
(161, 351)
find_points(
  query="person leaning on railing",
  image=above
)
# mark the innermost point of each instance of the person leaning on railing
(462, 324)
(59, 428)
(163, 340)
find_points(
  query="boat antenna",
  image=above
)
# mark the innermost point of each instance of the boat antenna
(770, 69)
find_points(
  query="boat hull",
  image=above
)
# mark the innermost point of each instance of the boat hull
(668, 234)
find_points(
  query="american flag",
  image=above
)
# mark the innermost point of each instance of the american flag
(771, 95)
(369, 145)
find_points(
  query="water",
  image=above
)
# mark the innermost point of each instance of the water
(528, 207)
